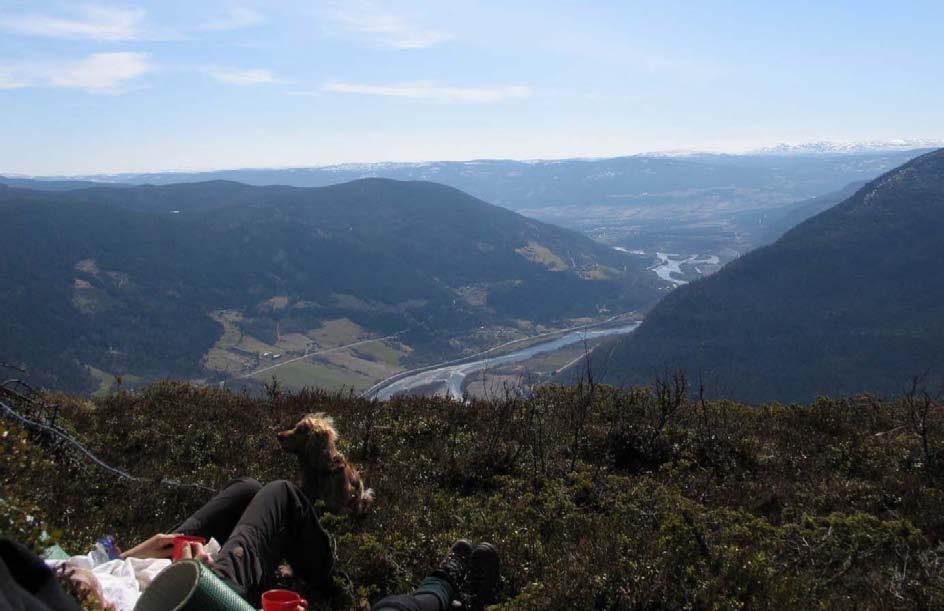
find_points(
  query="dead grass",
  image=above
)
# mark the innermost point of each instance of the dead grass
(541, 254)
(337, 332)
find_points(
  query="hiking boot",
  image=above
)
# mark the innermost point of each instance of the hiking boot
(482, 585)
(454, 567)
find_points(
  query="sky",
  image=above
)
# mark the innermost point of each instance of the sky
(181, 85)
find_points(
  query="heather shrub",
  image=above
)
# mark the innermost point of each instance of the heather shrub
(598, 498)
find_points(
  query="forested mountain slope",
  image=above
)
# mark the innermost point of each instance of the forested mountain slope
(129, 280)
(850, 300)
(782, 220)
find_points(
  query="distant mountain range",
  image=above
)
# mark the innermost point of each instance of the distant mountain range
(145, 281)
(844, 148)
(689, 203)
(538, 184)
(851, 300)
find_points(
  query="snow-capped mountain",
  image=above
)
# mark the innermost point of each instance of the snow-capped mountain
(833, 148)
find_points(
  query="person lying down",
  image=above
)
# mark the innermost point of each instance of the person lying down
(251, 529)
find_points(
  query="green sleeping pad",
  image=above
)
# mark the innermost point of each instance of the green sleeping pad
(188, 585)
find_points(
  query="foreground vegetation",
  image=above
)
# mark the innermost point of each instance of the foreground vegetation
(597, 498)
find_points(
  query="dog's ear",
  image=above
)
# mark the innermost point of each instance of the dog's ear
(319, 441)
(308, 422)
(322, 426)
(321, 419)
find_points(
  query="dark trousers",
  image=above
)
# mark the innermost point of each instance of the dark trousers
(410, 602)
(259, 527)
(433, 594)
(26, 584)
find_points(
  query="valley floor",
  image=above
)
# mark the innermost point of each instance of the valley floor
(340, 355)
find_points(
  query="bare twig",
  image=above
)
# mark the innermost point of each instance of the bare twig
(919, 404)
(58, 433)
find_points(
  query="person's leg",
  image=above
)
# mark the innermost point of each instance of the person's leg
(219, 516)
(469, 573)
(27, 583)
(435, 592)
(410, 602)
(279, 524)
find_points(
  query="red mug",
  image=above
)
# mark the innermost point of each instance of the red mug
(282, 600)
(183, 541)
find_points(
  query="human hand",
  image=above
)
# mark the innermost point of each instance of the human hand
(158, 546)
(194, 550)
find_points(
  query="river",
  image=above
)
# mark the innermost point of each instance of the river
(670, 265)
(453, 376)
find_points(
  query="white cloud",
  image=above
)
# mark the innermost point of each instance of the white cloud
(90, 22)
(236, 18)
(96, 73)
(389, 29)
(426, 90)
(245, 77)
(100, 72)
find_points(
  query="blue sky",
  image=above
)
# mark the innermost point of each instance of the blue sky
(173, 84)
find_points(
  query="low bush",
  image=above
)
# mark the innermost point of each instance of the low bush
(598, 498)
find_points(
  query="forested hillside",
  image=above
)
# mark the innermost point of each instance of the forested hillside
(851, 300)
(144, 281)
(781, 220)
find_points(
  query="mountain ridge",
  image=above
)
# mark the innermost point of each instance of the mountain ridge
(693, 203)
(848, 301)
(705, 170)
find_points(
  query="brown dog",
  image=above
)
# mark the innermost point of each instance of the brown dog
(324, 471)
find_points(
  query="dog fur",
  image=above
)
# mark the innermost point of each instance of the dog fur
(324, 472)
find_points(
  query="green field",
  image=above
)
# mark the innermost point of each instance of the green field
(557, 359)
(337, 333)
(219, 357)
(380, 351)
(301, 374)
(251, 344)
(231, 333)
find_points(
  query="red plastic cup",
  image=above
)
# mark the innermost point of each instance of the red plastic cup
(282, 600)
(181, 542)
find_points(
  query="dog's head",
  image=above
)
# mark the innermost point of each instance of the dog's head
(313, 433)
